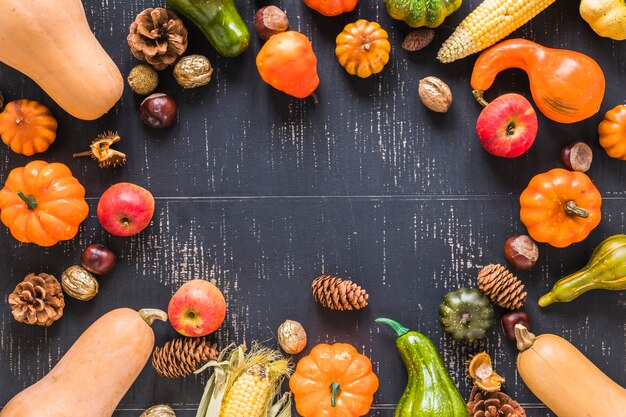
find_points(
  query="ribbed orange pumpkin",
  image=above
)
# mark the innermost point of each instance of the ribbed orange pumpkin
(612, 132)
(363, 48)
(28, 127)
(331, 7)
(333, 381)
(42, 203)
(560, 207)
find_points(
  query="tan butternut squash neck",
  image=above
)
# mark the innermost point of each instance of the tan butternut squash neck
(525, 339)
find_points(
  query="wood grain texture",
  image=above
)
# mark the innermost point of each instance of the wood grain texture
(262, 193)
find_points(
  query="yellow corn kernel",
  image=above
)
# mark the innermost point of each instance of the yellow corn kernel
(248, 395)
(490, 22)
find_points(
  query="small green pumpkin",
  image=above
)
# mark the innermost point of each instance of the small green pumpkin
(416, 13)
(466, 314)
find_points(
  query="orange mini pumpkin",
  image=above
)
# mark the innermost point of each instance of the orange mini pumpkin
(612, 132)
(331, 7)
(28, 127)
(363, 48)
(42, 203)
(287, 63)
(333, 381)
(560, 207)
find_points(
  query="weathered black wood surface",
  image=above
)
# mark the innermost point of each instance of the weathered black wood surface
(263, 192)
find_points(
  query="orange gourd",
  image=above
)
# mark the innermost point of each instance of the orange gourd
(28, 127)
(331, 7)
(560, 207)
(42, 203)
(612, 131)
(567, 86)
(333, 381)
(363, 48)
(287, 62)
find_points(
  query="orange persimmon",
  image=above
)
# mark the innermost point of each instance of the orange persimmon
(28, 127)
(287, 63)
(331, 7)
(560, 207)
(333, 380)
(42, 203)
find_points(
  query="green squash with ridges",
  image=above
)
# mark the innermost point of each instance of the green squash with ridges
(417, 13)
(430, 391)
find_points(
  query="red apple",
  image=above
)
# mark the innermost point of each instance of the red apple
(125, 209)
(197, 308)
(507, 127)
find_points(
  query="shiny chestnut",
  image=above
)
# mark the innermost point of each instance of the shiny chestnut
(98, 259)
(158, 110)
(510, 319)
(521, 251)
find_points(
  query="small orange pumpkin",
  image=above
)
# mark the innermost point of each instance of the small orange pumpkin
(560, 207)
(612, 132)
(333, 381)
(28, 127)
(331, 7)
(363, 48)
(42, 203)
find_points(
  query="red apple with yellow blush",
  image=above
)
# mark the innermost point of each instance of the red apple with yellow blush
(198, 308)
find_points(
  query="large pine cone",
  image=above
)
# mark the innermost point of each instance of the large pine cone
(158, 37)
(337, 294)
(501, 286)
(38, 299)
(181, 357)
(493, 404)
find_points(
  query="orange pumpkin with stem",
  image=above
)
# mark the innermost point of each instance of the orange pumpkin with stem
(287, 63)
(331, 7)
(560, 207)
(28, 127)
(363, 48)
(333, 381)
(612, 131)
(42, 203)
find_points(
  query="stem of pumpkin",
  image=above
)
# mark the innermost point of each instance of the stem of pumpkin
(573, 210)
(314, 97)
(335, 390)
(478, 95)
(31, 203)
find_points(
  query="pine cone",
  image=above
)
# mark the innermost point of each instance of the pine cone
(493, 404)
(181, 357)
(502, 287)
(38, 299)
(337, 294)
(158, 37)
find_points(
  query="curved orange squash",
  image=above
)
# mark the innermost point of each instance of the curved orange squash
(42, 203)
(28, 127)
(333, 381)
(560, 207)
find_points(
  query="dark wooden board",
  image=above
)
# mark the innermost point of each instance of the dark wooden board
(262, 193)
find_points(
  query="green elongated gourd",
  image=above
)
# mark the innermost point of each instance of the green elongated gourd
(220, 22)
(430, 391)
(606, 270)
(417, 13)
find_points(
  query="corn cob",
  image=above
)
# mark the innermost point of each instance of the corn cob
(490, 22)
(248, 395)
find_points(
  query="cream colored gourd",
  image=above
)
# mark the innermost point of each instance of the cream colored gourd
(564, 379)
(606, 17)
(93, 376)
(50, 42)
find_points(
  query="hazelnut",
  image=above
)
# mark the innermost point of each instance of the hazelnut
(577, 156)
(158, 110)
(143, 79)
(510, 319)
(269, 21)
(435, 94)
(521, 252)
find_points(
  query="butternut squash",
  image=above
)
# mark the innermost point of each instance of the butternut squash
(50, 42)
(93, 376)
(564, 379)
